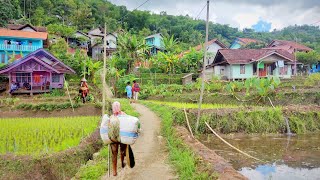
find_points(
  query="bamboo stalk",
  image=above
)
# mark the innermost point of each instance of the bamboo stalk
(185, 113)
(231, 145)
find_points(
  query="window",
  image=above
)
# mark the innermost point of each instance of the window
(55, 78)
(23, 77)
(242, 68)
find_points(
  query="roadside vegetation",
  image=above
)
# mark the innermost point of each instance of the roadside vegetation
(185, 162)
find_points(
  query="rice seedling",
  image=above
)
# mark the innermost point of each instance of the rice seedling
(43, 135)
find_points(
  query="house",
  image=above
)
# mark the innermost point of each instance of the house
(289, 46)
(26, 27)
(96, 49)
(155, 43)
(292, 47)
(242, 42)
(79, 40)
(17, 43)
(40, 69)
(213, 46)
(235, 64)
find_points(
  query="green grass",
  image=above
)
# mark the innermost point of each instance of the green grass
(127, 108)
(43, 135)
(182, 105)
(96, 168)
(182, 158)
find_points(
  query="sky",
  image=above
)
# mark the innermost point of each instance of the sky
(262, 15)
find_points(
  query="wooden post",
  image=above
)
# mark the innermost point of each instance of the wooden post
(31, 90)
(104, 70)
(258, 69)
(203, 67)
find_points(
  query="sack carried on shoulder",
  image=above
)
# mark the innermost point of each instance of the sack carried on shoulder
(123, 129)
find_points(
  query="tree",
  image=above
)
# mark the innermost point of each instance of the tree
(38, 18)
(170, 44)
(130, 48)
(7, 12)
(308, 58)
(82, 17)
(191, 61)
(61, 30)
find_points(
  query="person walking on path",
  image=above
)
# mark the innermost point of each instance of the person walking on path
(116, 110)
(129, 91)
(135, 90)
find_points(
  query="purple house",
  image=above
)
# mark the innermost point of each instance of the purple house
(37, 72)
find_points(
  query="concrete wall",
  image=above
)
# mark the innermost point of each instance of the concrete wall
(236, 71)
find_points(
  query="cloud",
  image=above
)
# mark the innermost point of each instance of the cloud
(238, 13)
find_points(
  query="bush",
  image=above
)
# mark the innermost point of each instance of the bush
(313, 80)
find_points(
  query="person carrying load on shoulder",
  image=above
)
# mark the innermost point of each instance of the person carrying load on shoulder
(135, 90)
(121, 130)
(129, 91)
(84, 89)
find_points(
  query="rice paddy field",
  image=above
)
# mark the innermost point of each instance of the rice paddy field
(34, 136)
(194, 105)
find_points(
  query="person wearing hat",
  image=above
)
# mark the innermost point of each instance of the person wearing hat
(84, 89)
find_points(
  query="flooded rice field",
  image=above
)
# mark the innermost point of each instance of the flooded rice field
(286, 157)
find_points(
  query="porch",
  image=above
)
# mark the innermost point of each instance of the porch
(34, 90)
(279, 69)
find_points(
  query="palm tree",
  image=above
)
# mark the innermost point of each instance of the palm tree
(131, 49)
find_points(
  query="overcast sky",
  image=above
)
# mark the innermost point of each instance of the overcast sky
(238, 13)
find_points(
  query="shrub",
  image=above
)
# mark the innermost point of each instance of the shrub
(313, 80)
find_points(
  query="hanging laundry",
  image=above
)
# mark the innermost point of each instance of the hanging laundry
(36, 78)
(261, 65)
(281, 63)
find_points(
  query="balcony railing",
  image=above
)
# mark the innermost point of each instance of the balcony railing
(15, 47)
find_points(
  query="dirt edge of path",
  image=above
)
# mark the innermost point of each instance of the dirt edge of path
(216, 162)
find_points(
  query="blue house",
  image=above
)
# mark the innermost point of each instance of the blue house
(16, 43)
(241, 42)
(155, 42)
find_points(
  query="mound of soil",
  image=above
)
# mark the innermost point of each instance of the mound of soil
(216, 162)
(84, 110)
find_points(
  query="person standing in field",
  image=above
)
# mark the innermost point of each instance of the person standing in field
(135, 90)
(129, 91)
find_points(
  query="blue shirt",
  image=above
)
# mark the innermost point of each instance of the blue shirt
(128, 89)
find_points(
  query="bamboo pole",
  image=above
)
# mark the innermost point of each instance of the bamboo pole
(244, 153)
(64, 78)
(185, 113)
(203, 67)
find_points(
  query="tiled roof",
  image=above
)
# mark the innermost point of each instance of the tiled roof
(294, 45)
(23, 34)
(19, 27)
(245, 56)
(200, 46)
(246, 41)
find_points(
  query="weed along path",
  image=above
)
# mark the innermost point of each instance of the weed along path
(148, 150)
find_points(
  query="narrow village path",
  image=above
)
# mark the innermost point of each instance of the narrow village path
(150, 156)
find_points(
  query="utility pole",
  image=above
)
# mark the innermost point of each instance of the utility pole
(104, 70)
(295, 59)
(203, 67)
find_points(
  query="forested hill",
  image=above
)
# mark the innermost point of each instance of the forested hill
(86, 14)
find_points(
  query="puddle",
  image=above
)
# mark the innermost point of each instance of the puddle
(287, 157)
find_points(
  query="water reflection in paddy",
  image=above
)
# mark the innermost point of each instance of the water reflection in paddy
(295, 157)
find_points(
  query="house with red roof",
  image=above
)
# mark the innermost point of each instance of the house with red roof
(233, 64)
(213, 46)
(17, 41)
(241, 42)
(289, 46)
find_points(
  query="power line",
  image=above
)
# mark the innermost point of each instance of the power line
(133, 10)
(201, 11)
